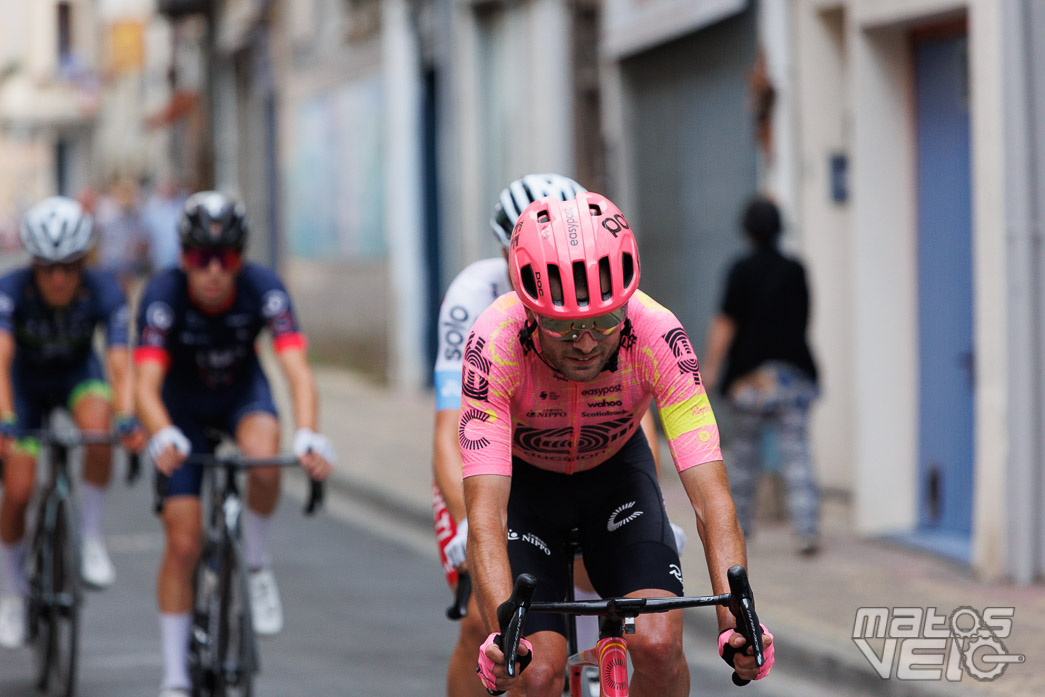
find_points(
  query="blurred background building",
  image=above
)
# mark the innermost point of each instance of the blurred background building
(903, 139)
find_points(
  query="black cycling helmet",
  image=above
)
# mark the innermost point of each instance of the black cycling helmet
(212, 219)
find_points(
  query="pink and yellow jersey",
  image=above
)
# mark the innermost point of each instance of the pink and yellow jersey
(514, 404)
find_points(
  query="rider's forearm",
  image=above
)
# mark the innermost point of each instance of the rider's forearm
(487, 549)
(446, 461)
(7, 352)
(118, 361)
(302, 385)
(148, 399)
(717, 526)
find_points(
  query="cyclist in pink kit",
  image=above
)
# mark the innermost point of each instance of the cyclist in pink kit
(556, 377)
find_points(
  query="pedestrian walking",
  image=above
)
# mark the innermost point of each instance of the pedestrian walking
(758, 358)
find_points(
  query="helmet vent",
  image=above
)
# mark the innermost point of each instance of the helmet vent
(595, 209)
(543, 218)
(580, 283)
(555, 284)
(628, 266)
(529, 283)
(605, 281)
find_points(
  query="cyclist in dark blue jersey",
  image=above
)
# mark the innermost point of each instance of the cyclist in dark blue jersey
(48, 315)
(197, 370)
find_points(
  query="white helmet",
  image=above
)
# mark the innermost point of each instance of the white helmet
(524, 191)
(57, 230)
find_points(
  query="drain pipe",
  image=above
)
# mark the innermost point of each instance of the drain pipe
(1026, 294)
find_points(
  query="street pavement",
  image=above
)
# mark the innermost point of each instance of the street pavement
(810, 604)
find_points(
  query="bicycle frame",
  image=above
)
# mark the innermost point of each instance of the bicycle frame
(55, 590)
(221, 580)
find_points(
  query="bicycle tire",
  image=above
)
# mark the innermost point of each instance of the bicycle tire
(235, 647)
(201, 654)
(57, 616)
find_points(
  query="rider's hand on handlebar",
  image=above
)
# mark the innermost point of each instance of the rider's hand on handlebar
(491, 668)
(455, 548)
(131, 433)
(168, 448)
(315, 452)
(731, 648)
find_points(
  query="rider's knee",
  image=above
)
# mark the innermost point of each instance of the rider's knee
(17, 490)
(183, 546)
(266, 477)
(473, 631)
(543, 679)
(658, 653)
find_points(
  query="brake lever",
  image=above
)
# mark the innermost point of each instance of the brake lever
(511, 616)
(459, 608)
(742, 605)
(316, 496)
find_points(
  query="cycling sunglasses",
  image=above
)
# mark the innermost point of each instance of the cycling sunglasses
(66, 267)
(201, 257)
(602, 327)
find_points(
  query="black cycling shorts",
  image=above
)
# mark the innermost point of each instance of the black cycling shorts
(618, 509)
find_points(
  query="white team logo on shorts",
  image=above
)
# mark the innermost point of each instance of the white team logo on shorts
(613, 524)
(675, 571)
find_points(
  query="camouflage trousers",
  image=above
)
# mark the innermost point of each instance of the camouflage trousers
(787, 414)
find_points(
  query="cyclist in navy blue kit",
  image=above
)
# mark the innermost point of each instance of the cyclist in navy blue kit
(197, 369)
(48, 315)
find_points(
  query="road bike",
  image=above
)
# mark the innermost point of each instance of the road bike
(53, 562)
(223, 654)
(617, 619)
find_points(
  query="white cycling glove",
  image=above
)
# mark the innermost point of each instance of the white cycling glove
(306, 440)
(455, 548)
(168, 435)
(680, 537)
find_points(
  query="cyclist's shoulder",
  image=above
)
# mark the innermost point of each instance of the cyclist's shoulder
(168, 287)
(16, 280)
(255, 274)
(648, 314)
(479, 283)
(504, 311)
(101, 281)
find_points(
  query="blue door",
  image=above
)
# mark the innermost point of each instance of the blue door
(945, 293)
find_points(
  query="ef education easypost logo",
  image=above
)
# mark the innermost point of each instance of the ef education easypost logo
(913, 643)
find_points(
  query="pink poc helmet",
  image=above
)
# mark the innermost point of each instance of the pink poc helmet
(574, 259)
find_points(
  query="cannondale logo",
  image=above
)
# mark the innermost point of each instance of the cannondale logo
(677, 340)
(474, 384)
(614, 524)
(466, 442)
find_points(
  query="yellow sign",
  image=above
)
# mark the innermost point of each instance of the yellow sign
(126, 46)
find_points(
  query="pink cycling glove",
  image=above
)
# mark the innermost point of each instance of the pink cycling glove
(724, 646)
(485, 667)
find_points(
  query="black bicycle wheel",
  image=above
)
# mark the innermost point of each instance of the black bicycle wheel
(236, 645)
(204, 664)
(57, 616)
